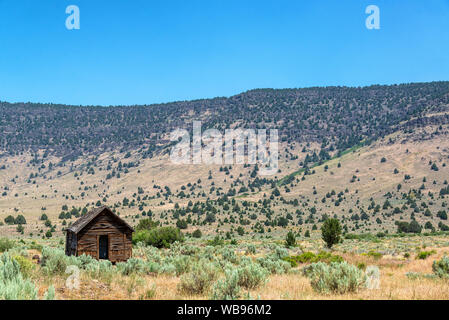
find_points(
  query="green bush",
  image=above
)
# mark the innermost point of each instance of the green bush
(291, 260)
(337, 277)
(20, 219)
(251, 249)
(161, 237)
(199, 279)
(252, 276)
(228, 254)
(274, 262)
(6, 244)
(376, 255)
(362, 236)
(12, 284)
(306, 257)
(274, 266)
(54, 261)
(424, 254)
(85, 260)
(331, 232)
(290, 240)
(441, 267)
(146, 224)
(361, 266)
(197, 234)
(182, 264)
(310, 257)
(279, 253)
(26, 265)
(167, 268)
(406, 227)
(217, 241)
(227, 288)
(327, 257)
(100, 269)
(132, 266)
(9, 220)
(35, 246)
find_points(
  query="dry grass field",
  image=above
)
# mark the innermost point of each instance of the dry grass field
(401, 277)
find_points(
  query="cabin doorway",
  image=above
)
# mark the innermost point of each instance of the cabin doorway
(103, 249)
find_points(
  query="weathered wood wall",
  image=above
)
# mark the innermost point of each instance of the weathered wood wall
(120, 238)
(71, 243)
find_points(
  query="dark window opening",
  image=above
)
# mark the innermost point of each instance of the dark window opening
(104, 246)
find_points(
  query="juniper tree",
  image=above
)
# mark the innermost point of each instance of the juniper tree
(290, 240)
(331, 232)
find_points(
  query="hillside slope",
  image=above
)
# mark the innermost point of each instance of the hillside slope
(370, 156)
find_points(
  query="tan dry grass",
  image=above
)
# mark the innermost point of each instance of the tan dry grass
(394, 285)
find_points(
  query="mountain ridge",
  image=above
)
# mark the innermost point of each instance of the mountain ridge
(345, 115)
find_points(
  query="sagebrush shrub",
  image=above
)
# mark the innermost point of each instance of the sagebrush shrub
(50, 294)
(441, 267)
(182, 264)
(337, 277)
(12, 284)
(251, 249)
(252, 276)
(167, 268)
(279, 253)
(228, 254)
(274, 266)
(54, 261)
(149, 252)
(179, 248)
(84, 260)
(100, 269)
(132, 266)
(199, 279)
(153, 267)
(227, 288)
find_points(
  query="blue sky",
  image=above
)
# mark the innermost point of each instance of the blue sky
(143, 52)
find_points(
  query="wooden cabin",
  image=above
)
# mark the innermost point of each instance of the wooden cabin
(101, 234)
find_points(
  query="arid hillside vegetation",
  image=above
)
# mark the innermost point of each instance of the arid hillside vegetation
(373, 157)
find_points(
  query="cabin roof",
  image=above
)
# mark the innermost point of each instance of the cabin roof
(82, 222)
